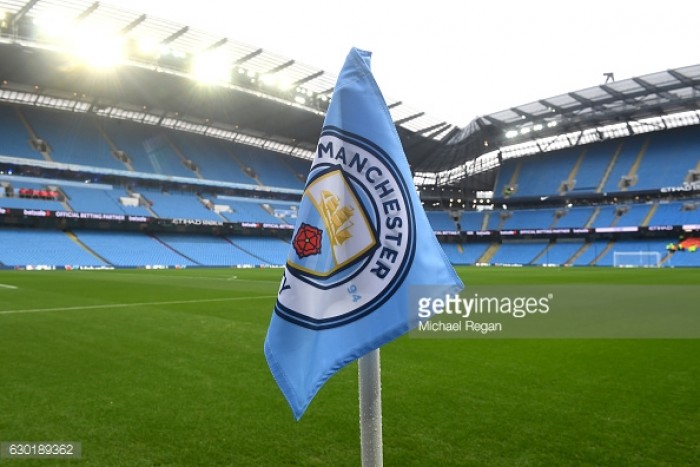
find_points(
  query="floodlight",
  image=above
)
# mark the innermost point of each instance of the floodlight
(96, 48)
(92, 44)
(511, 134)
(53, 24)
(300, 100)
(537, 127)
(524, 131)
(268, 79)
(284, 83)
(148, 47)
(551, 124)
(211, 68)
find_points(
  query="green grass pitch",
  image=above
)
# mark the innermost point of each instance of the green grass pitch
(166, 368)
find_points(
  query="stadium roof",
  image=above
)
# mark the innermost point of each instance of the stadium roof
(260, 93)
(279, 103)
(656, 101)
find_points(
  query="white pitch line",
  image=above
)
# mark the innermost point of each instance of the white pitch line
(127, 305)
(7, 286)
(205, 278)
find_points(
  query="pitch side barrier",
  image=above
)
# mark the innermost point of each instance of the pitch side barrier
(47, 219)
(44, 218)
(72, 267)
(612, 233)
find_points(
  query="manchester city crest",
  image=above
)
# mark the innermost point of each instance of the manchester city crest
(354, 238)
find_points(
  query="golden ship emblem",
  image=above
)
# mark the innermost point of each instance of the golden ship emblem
(337, 218)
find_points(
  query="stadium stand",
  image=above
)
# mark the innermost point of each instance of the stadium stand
(269, 250)
(441, 220)
(683, 259)
(632, 215)
(117, 194)
(245, 210)
(30, 203)
(208, 250)
(178, 205)
(668, 159)
(528, 218)
(595, 161)
(472, 220)
(658, 246)
(131, 249)
(622, 162)
(589, 173)
(643, 162)
(148, 148)
(575, 217)
(540, 176)
(72, 138)
(212, 160)
(91, 198)
(16, 140)
(43, 247)
(559, 253)
(468, 253)
(605, 216)
(677, 213)
(518, 252)
(589, 252)
(267, 168)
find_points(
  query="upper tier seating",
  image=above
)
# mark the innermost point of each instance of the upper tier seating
(642, 162)
(14, 137)
(73, 138)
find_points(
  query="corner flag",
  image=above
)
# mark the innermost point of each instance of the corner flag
(361, 241)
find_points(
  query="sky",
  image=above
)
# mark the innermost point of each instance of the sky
(457, 59)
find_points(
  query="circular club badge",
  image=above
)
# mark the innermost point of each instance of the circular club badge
(355, 235)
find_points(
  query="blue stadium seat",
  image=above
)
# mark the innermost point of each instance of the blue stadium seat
(178, 205)
(595, 162)
(470, 254)
(560, 252)
(212, 157)
(208, 250)
(518, 252)
(669, 157)
(131, 249)
(14, 136)
(43, 247)
(441, 220)
(74, 138)
(575, 217)
(472, 220)
(271, 251)
(148, 148)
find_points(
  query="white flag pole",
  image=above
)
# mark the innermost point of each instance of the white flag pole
(370, 385)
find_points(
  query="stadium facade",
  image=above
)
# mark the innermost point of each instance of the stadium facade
(140, 165)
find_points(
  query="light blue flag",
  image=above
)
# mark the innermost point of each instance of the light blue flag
(361, 242)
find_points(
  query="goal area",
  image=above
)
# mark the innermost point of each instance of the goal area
(636, 259)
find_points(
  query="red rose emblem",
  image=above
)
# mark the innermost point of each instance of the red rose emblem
(307, 241)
